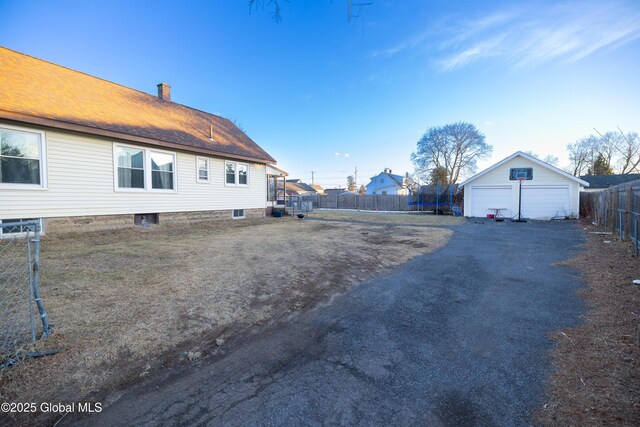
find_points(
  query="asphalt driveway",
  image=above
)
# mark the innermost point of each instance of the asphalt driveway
(458, 337)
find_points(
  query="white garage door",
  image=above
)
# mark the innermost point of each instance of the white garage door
(483, 198)
(544, 202)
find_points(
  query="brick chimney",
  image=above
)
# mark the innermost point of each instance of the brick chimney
(164, 92)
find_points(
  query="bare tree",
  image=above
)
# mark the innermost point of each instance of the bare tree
(613, 151)
(607, 146)
(581, 155)
(629, 152)
(454, 147)
(549, 158)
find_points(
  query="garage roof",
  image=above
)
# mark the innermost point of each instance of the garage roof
(531, 158)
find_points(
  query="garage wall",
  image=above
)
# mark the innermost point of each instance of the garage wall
(542, 176)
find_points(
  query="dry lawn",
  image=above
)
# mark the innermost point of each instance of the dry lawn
(128, 303)
(408, 218)
(597, 364)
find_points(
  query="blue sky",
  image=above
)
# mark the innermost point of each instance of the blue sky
(321, 93)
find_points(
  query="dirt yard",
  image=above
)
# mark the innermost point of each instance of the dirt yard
(126, 304)
(406, 218)
(596, 380)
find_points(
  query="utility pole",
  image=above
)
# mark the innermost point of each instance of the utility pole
(356, 177)
(312, 182)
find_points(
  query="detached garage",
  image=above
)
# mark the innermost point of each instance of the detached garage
(547, 192)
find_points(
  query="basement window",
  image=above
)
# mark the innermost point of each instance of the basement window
(17, 230)
(238, 213)
(144, 220)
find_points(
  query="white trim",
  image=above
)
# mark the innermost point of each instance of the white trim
(42, 159)
(237, 174)
(198, 179)
(528, 157)
(148, 172)
(174, 172)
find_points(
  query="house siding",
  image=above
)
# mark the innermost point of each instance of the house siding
(80, 177)
(541, 176)
(389, 185)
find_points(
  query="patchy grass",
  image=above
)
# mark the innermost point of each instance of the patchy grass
(130, 302)
(400, 218)
(597, 364)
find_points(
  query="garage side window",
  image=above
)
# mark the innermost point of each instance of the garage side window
(21, 157)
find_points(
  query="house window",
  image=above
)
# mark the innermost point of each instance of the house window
(130, 167)
(238, 213)
(242, 174)
(143, 169)
(162, 170)
(236, 173)
(17, 230)
(203, 169)
(230, 172)
(21, 157)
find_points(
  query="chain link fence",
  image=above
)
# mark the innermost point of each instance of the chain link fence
(19, 287)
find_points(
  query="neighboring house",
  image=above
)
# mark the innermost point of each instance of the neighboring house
(80, 152)
(298, 188)
(601, 182)
(547, 192)
(388, 183)
(318, 188)
(334, 191)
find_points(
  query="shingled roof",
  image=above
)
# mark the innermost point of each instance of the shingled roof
(606, 181)
(40, 92)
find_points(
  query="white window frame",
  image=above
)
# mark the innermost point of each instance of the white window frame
(244, 214)
(42, 159)
(147, 170)
(198, 179)
(21, 234)
(237, 174)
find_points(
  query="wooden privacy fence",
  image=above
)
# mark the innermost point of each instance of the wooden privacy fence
(617, 209)
(373, 202)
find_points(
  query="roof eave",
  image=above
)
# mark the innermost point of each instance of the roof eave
(73, 127)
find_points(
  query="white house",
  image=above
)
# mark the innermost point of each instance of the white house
(547, 191)
(80, 152)
(388, 183)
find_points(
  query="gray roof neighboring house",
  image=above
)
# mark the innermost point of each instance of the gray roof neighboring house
(606, 181)
(334, 191)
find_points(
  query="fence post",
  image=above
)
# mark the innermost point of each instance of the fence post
(614, 209)
(627, 214)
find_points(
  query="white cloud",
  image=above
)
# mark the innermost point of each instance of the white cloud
(347, 155)
(528, 35)
(337, 154)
